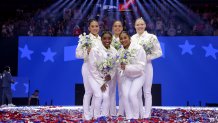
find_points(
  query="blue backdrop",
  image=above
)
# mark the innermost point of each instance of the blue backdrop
(187, 71)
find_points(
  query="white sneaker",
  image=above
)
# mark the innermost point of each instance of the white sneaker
(86, 117)
(2, 106)
(11, 105)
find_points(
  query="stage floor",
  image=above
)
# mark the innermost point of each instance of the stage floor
(73, 114)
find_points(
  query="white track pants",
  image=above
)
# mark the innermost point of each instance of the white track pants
(130, 89)
(147, 92)
(88, 113)
(100, 96)
(112, 95)
(121, 107)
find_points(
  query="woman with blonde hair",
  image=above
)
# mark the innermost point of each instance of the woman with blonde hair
(153, 50)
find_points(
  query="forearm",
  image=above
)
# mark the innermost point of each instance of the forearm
(156, 51)
(154, 55)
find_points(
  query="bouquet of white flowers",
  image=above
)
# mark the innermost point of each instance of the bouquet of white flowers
(148, 45)
(116, 44)
(126, 56)
(107, 65)
(85, 41)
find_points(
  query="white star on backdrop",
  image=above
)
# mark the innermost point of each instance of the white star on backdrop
(187, 48)
(49, 55)
(26, 52)
(210, 51)
(13, 86)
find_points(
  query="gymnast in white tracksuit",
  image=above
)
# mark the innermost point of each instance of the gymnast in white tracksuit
(132, 74)
(153, 50)
(117, 29)
(83, 53)
(102, 67)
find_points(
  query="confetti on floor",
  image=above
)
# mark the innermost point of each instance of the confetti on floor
(73, 114)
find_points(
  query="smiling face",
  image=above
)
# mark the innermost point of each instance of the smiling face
(140, 25)
(117, 28)
(106, 40)
(125, 40)
(94, 28)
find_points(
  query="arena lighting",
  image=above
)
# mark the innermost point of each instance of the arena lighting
(68, 6)
(117, 13)
(158, 10)
(102, 11)
(111, 2)
(162, 7)
(166, 4)
(169, 6)
(60, 7)
(135, 11)
(72, 2)
(50, 9)
(183, 15)
(187, 11)
(142, 9)
(85, 10)
(164, 10)
(95, 9)
(80, 9)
